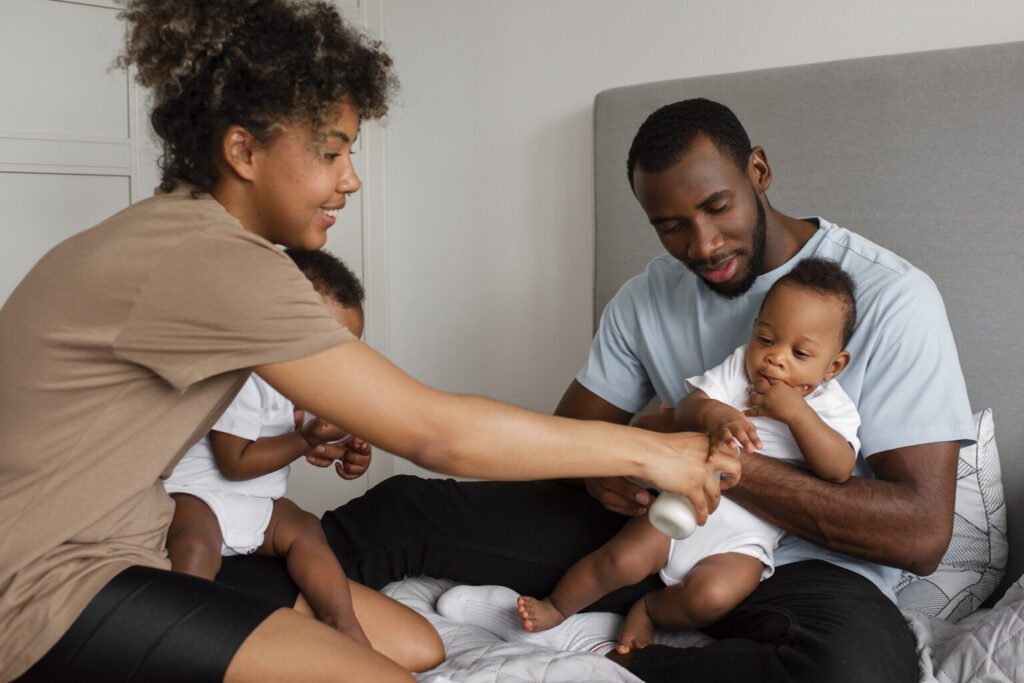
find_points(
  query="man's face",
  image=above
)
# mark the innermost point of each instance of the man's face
(707, 215)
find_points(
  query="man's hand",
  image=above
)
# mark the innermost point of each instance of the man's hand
(620, 495)
(727, 426)
(777, 400)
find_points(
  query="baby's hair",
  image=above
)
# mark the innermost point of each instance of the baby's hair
(330, 277)
(259, 64)
(827, 278)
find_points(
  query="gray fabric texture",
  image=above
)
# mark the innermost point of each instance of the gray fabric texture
(919, 152)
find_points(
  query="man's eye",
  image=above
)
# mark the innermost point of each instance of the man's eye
(331, 156)
(717, 209)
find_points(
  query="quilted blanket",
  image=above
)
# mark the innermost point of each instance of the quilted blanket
(987, 646)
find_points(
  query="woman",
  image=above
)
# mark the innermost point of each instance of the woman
(124, 344)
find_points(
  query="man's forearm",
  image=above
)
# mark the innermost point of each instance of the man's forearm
(903, 518)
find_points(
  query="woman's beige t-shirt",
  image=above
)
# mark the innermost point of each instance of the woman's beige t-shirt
(117, 352)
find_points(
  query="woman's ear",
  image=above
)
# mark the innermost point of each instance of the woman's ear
(237, 147)
(837, 365)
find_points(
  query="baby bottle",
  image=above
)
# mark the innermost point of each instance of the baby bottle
(672, 515)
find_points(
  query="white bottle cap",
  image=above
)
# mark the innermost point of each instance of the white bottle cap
(673, 515)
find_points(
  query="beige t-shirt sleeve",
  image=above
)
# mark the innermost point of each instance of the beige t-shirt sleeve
(221, 300)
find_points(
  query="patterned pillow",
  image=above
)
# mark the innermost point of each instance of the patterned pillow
(974, 562)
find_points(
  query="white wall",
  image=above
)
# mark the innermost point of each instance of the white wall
(488, 164)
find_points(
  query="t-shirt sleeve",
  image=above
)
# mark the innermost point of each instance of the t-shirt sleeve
(841, 415)
(613, 369)
(726, 382)
(243, 418)
(223, 300)
(913, 390)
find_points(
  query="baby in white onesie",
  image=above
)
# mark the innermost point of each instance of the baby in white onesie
(776, 396)
(228, 488)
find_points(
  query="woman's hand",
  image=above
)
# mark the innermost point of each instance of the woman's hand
(689, 466)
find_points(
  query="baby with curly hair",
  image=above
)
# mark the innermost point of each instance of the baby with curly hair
(776, 395)
(229, 487)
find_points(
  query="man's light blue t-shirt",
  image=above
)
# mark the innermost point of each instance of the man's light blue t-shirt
(904, 376)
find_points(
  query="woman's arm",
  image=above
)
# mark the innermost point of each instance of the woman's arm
(477, 437)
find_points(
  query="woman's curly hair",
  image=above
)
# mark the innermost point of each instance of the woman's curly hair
(211, 64)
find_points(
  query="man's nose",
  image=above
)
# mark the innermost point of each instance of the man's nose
(705, 242)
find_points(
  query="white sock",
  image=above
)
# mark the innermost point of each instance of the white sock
(490, 607)
(494, 608)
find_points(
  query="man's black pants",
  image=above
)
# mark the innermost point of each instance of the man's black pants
(811, 621)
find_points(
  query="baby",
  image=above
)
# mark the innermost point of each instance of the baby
(228, 487)
(777, 396)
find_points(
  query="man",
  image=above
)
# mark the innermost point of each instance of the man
(827, 613)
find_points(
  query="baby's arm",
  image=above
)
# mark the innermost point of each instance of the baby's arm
(825, 450)
(723, 423)
(239, 458)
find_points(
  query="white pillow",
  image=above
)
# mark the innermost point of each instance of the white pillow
(974, 562)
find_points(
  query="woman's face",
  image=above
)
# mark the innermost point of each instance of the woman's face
(302, 180)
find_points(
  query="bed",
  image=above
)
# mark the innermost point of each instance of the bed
(922, 153)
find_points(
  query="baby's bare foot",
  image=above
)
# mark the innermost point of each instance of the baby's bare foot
(538, 615)
(637, 629)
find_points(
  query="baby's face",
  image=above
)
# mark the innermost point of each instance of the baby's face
(796, 339)
(349, 316)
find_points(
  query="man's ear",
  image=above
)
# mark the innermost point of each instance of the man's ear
(838, 364)
(758, 170)
(237, 147)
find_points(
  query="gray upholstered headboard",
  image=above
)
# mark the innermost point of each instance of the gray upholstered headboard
(922, 153)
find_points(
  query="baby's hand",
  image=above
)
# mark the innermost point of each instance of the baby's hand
(728, 426)
(776, 400)
(351, 456)
(355, 461)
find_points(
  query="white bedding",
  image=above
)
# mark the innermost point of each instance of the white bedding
(986, 646)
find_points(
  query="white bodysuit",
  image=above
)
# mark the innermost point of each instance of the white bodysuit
(242, 508)
(732, 529)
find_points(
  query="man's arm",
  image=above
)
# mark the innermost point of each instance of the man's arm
(902, 518)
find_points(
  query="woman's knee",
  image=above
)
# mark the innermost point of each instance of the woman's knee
(425, 649)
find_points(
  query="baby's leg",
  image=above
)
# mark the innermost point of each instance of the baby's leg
(296, 535)
(710, 590)
(633, 554)
(194, 539)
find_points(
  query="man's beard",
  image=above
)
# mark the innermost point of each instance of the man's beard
(755, 264)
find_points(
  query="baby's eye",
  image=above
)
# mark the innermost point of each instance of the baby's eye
(800, 353)
(766, 341)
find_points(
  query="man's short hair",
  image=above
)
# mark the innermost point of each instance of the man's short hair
(330, 277)
(827, 278)
(668, 133)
